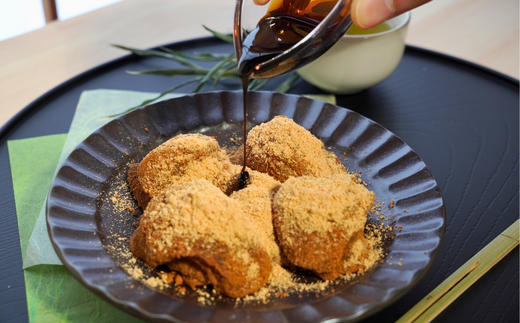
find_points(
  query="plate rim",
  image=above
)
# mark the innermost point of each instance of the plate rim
(134, 309)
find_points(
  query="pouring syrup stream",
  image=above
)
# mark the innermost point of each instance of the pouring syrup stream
(291, 34)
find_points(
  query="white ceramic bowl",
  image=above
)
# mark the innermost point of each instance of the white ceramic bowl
(357, 62)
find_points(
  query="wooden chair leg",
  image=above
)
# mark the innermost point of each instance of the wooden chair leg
(49, 7)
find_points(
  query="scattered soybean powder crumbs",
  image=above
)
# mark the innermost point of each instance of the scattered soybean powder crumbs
(233, 229)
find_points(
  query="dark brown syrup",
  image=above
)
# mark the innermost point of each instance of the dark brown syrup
(286, 23)
(244, 174)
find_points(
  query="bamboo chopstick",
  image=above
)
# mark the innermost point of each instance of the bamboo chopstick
(457, 283)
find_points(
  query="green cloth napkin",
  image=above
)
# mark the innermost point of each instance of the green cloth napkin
(54, 295)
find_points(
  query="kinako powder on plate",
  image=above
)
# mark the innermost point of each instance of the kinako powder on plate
(249, 244)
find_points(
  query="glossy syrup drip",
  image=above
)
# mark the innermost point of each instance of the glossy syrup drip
(286, 23)
(242, 180)
(244, 174)
(270, 38)
(264, 42)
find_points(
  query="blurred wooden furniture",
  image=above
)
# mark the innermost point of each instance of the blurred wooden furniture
(481, 31)
(49, 8)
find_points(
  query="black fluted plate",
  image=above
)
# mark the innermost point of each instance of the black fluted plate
(89, 225)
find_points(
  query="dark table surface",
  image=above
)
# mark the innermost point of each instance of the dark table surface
(462, 120)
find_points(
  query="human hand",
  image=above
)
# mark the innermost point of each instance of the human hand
(370, 13)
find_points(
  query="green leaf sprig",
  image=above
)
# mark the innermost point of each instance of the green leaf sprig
(225, 68)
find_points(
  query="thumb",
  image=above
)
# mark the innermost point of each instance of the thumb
(370, 13)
